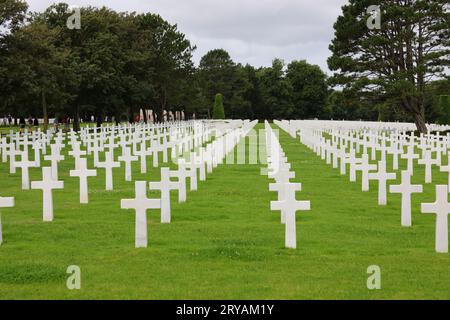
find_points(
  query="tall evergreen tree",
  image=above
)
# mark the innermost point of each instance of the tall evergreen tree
(218, 111)
(398, 60)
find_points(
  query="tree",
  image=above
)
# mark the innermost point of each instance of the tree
(337, 107)
(171, 64)
(195, 100)
(218, 73)
(35, 71)
(218, 110)
(433, 106)
(310, 89)
(118, 62)
(397, 61)
(276, 92)
(94, 59)
(12, 14)
(444, 106)
(252, 95)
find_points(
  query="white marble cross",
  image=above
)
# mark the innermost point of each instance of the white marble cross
(111, 144)
(127, 158)
(446, 169)
(441, 208)
(200, 163)
(58, 143)
(142, 153)
(76, 151)
(382, 176)
(439, 149)
(141, 204)
(280, 187)
(373, 148)
(335, 153)
(12, 153)
(289, 206)
(4, 203)
(428, 161)
(165, 185)
(4, 149)
(25, 144)
(164, 150)
(410, 156)
(365, 168)
(25, 164)
(37, 147)
(54, 158)
(395, 151)
(83, 173)
(108, 165)
(353, 161)
(181, 174)
(383, 149)
(47, 185)
(154, 151)
(406, 189)
(96, 148)
(282, 176)
(192, 172)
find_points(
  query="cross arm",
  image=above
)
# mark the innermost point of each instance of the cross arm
(429, 207)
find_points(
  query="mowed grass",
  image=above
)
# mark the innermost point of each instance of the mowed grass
(224, 242)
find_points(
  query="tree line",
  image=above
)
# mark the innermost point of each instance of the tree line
(120, 62)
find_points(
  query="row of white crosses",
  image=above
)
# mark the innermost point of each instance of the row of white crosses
(19, 144)
(199, 162)
(129, 143)
(341, 139)
(280, 170)
(109, 163)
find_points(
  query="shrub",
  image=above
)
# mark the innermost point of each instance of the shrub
(218, 110)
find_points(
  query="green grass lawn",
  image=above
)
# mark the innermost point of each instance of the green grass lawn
(224, 242)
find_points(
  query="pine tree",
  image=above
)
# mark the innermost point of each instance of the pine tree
(218, 110)
(398, 60)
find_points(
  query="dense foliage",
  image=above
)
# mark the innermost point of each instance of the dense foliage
(118, 63)
(394, 64)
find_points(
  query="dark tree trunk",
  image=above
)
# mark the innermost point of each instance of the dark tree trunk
(76, 119)
(415, 107)
(130, 114)
(117, 117)
(158, 116)
(44, 110)
(145, 115)
(419, 119)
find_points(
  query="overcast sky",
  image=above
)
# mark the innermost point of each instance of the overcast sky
(252, 31)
